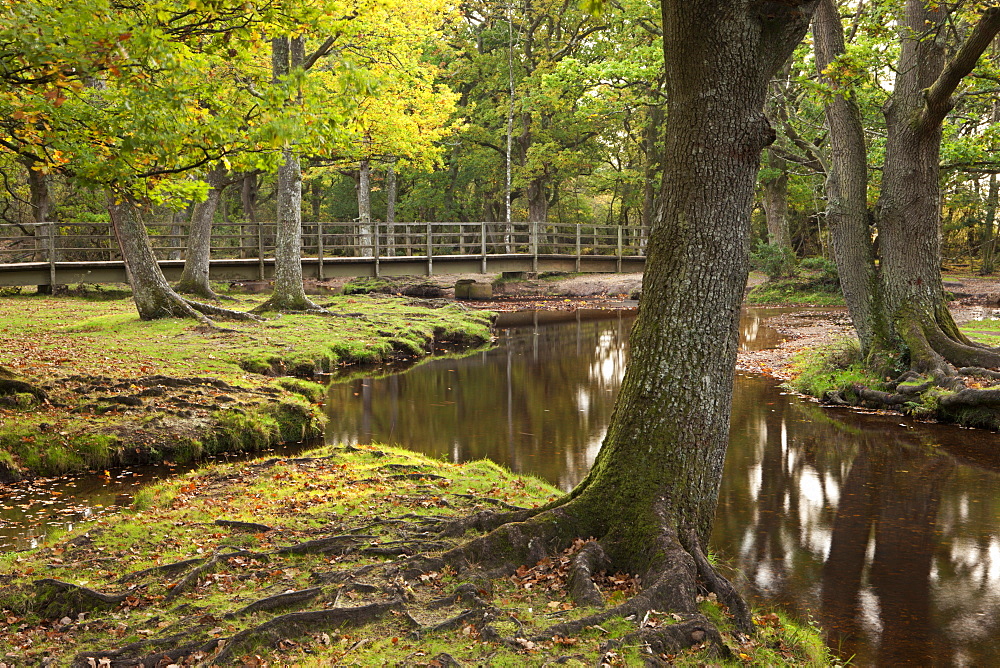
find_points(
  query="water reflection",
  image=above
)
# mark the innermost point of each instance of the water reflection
(883, 529)
(538, 403)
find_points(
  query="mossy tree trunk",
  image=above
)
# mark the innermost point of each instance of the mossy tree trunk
(775, 201)
(289, 294)
(153, 296)
(847, 192)
(651, 496)
(661, 463)
(194, 277)
(900, 303)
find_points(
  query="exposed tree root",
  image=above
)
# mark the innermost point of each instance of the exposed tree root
(672, 583)
(191, 579)
(278, 601)
(10, 383)
(299, 623)
(586, 563)
(223, 313)
(57, 598)
(525, 556)
(251, 527)
(283, 304)
(332, 545)
(943, 362)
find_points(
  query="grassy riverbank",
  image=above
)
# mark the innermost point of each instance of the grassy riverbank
(123, 391)
(316, 561)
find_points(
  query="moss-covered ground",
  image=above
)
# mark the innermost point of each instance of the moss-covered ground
(122, 391)
(799, 291)
(307, 562)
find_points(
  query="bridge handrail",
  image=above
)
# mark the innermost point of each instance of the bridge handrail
(62, 241)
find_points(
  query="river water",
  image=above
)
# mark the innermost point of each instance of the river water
(884, 530)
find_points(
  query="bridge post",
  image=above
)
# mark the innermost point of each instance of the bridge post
(260, 250)
(378, 251)
(430, 251)
(534, 246)
(482, 244)
(578, 249)
(52, 255)
(319, 250)
(619, 249)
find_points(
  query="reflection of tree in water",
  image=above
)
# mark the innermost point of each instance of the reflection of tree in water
(538, 403)
(857, 519)
(891, 542)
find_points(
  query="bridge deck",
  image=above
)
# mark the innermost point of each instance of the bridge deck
(113, 271)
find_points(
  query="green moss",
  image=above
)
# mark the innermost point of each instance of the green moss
(238, 430)
(797, 291)
(836, 367)
(364, 286)
(27, 447)
(308, 390)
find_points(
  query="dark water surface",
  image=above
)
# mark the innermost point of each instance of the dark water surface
(884, 530)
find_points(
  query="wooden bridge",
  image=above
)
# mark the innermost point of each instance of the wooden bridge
(82, 252)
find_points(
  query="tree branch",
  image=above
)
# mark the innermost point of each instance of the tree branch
(938, 100)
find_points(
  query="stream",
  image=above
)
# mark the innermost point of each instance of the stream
(882, 529)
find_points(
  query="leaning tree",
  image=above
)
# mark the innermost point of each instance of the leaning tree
(651, 495)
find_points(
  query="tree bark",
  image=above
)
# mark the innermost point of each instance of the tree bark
(194, 277)
(366, 238)
(40, 200)
(988, 252)
(390, 207)
(289, 293)
(908, 209)
(248, 198)
(665, 445)
(901, 303)
(651, 495)
(775, 202)
(154, 298)
(847, 192)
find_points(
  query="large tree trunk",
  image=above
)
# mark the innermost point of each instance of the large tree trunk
(847, 192)
(40, 200)
(289, 293)
(988, 251)
(363, 186)
(194, 277)
(153, 296)
(248, 199)
(775, 202)
(908, 210)
(651, 495)
(390, 208)
(538, 203)
(901, 304)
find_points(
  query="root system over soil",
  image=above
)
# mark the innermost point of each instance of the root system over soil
(362, 556)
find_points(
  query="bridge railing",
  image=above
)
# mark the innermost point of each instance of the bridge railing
(82, 241)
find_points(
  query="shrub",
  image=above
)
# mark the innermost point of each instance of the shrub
(775, 261)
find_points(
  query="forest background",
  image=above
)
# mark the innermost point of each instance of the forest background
(427, 111)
